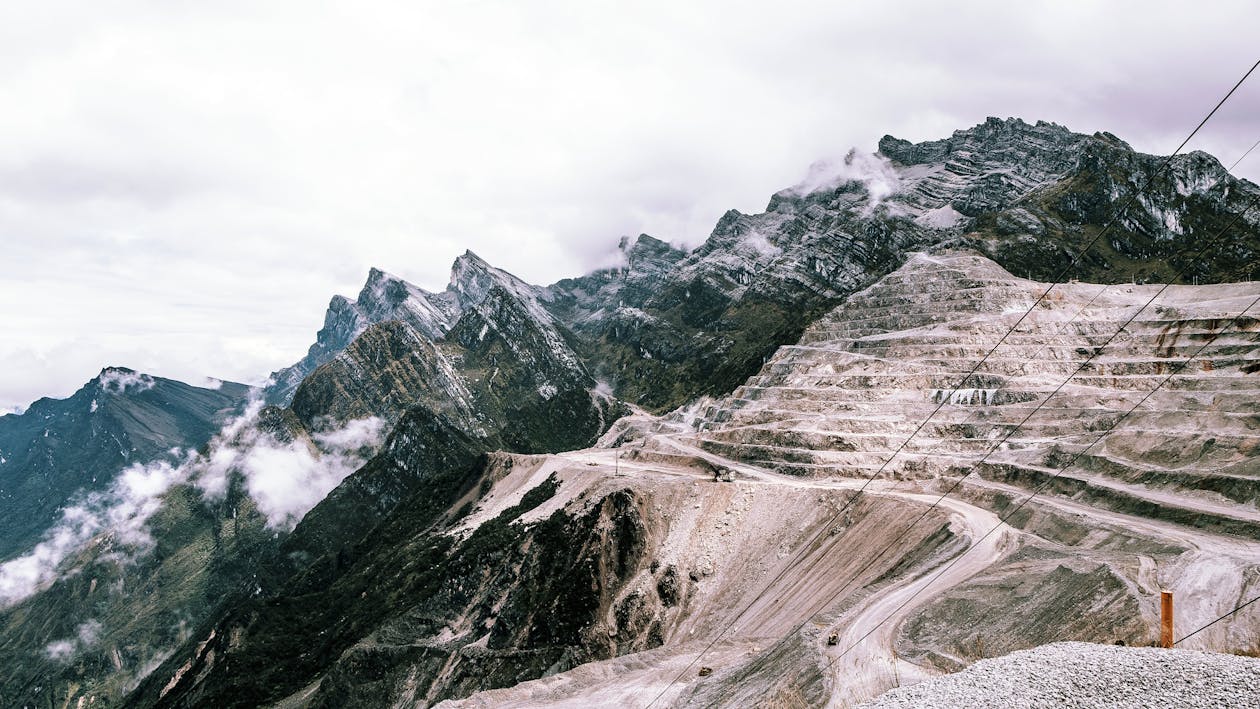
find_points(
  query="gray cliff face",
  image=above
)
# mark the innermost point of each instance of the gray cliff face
(583, 301)
(669, 325)
(1030, 196)
(387, 298)
(501, 367)
(987, 167)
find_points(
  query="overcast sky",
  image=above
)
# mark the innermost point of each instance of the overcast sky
(184, 185)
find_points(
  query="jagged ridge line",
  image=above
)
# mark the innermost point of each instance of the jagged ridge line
(1166, 162)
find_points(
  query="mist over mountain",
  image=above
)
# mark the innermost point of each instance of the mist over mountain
(503, 493)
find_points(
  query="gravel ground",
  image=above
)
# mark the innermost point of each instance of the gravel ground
(1088, 675)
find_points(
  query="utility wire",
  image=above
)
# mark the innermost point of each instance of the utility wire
(807, 548)
(1253, 147)
(1205, 627)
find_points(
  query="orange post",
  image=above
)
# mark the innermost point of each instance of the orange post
(1165, 619)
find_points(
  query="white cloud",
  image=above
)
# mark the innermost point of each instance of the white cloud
(86, 636)
(284, 480)
(60, 650)
(287, 480)
(355, 435)
(122, 511)
(119, 381)
(185, 185)
(89, 633)
(874, 171)
(208, 383)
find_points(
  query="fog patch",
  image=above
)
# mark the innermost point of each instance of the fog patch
(89, 633)
(60, 650)
(118, 380)
(86, 636)
(284, 479)
(121, 511)
(209, 383)
(875, 172)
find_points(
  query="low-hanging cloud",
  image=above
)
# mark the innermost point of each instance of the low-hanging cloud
(86, 636)
(122, 511)
(285, 480)
(874, 172)
(120, 380)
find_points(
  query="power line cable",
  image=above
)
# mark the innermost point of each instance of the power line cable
(1253, 147)
(1223, 617)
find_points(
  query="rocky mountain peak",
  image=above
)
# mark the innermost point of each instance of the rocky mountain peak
(1011, 137)
(472, 278)
(60, 448)
(648, 257)
(475, 284)
(388, 297)
(645, 247)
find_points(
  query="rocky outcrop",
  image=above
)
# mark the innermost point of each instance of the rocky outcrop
(502, 369)
(389, 367)
(536, 567)
(1030, 196)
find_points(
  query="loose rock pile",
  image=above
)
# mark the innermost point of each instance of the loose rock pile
(1087, 675)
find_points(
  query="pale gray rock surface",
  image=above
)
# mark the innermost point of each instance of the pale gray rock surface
(1087, 675)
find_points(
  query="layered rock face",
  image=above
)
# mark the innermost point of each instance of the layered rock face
(540, 565)
(499, 367)
(646, 560)
(867, 374)
(1140, 440)
(384, 298)
(668, 327)
(1034, 196)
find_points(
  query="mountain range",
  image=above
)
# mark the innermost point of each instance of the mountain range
(502, 493)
